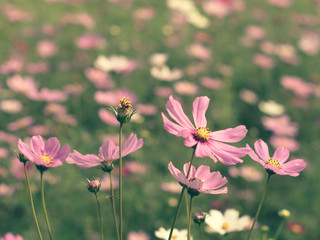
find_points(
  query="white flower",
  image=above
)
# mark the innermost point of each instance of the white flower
(227, 222)
(113, 63)
(162, 233)
(158, 59)
(165, 74)
(272, 108)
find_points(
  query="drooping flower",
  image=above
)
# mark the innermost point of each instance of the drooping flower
(207, 143)
(162, 233)
(200, 180)
(44, 154)
(277, 163)
(227, 222)
(108, 152)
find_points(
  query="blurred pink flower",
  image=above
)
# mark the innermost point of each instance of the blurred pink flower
(287, 142)
(280, 3)
(207, 143)
(99, 78)
(105, 183)
(13, 65)
(39, 130)
(280, 125)
(277, 164)
(295, 227)
(200, 180)
(138, 236)
(287, 53)
(17, 168)
(8, 138)
(310, 43)
(20, 123)
(186, 88)
(297, 86)
(212, 83)
(3, 152)
(6, 190)
(172, 187)
(11, 106)
(108, 117)
(255, 32)
(163, 92)
(51, 95)
(10, 236)
(74, 89)
(24, 85)
(147, 109)
(144, 14)
(263, 61)
(15, 14)
(250, 174)
(111, 98)
(47, 48)
(81, 19)
(45, 154)
(218, 8)
(90, 41)
(135, 167)
(39, 67)
(108, 152)
(198, 51)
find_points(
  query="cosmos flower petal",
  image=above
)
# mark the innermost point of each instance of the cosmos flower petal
(131, 144)
(192, 170)
(255, 157)
(230, 135)
(63, 153)
(51, 146)
(200, 106)
(176, 173)
(202, 150)
(25, 150)
(281, 154)
(262, 149)
(223, 190)
(109, 151)
(171, 127)
(203, 172)
(83, 161)
(175, 110)
(37, 144)
(294, 166)
(189, 141)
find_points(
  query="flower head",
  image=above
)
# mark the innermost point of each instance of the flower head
(277, 163)
(10, 236)
(162, 233)
(44, 154)
(200, 180)
(227, 222)
(108, 152)
(124, 111)
(207, 143)
(199, 217)
(94, 185)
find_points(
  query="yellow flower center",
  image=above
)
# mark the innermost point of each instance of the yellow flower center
(225, 225)
(297, 229)
(194, 178)
(46, 159)
(124, 103)
(202, 134)
(174, 236)
(273, 162)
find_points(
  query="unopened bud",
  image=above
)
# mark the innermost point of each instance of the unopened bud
(124, 111)
(199, 217)
(107, 166)
(22, 158)
(94, 185)
(284, 213)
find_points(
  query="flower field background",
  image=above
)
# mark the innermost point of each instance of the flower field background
(63, 62)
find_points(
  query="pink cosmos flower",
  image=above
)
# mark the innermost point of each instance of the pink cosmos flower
(108, 152)
(46, 154)
(138, 236)
(207, 143)
(10, 236)
(200, 180)
(276, 164)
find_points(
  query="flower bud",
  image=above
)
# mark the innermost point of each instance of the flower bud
(124, 111)
(22, 158)
(284, 213)
(107, 166)
(94, 185)
(199, 217)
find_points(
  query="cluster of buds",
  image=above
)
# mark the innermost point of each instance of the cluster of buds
(124, 111)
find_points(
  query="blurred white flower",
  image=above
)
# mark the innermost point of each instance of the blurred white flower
(162, 233)
(11, 106)
(227, 222)
(165, 74)
(158, 59)
(114, 63)
(272, 108)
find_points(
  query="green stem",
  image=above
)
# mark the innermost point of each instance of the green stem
(279, 229)
(31, 201)
(44, 206)
(187, 209)
(114, 207)
(260, 205)
(201, 232)
(100, 217)
(181, 194)
(189, 219)
(120, 179)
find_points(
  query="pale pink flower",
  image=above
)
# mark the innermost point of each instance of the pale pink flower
(90, 41)
(287, 53)
(283, 141)
(17, 168)
(108, 153)
(11, 106)
(20, 123)
(39, 67)
(255, 32)
(81, 19)
(147, 109)
(277, 164)
(310, 43)
(212, 83)
(297, 86)
(10, 236)
(144, 14)
(8, 138)
(138, 236)
(200, 180)
(218, 8)
(280, 3)
(108, 117)
(186, 88)
(263, 61)
(163, 92)
(13, 65)
(24, 85)
(45, 154)
(280, 125)
(135, 167)
(51, 95)
(198, 51)
(3, 152)
(207, 143)
(111, 98)
(74, 89)
(6, 190)
(99, 78)
(15, 14)
(250, 173)
(47, 48)
(172, 187)
(105, 183)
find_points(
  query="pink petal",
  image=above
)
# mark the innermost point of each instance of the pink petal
(51, 146)
(189, 141)
(215, 180)
(281, 154)
(230, 135)
(176, 173)
(176, 112)
(202, 150)
(294, 166)
(219, 191)
(131, 144)
(25, 150)
(171, 127)
(54, 164)
(200, 106)
(109, 151)
(255, 157)
(37, 144)
(194, 184)
(192, 170)
(83, 161)
(63, 153)
(203, 172)
(262, 150)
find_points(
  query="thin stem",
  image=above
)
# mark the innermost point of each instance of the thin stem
(44, 206)
(279, 230)
(189, 219)
(260, 205)
(181, 194)
(114, 207)
(187, 209)
(31, 201)
(100, 217)
(120, 179)
(201, 232)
